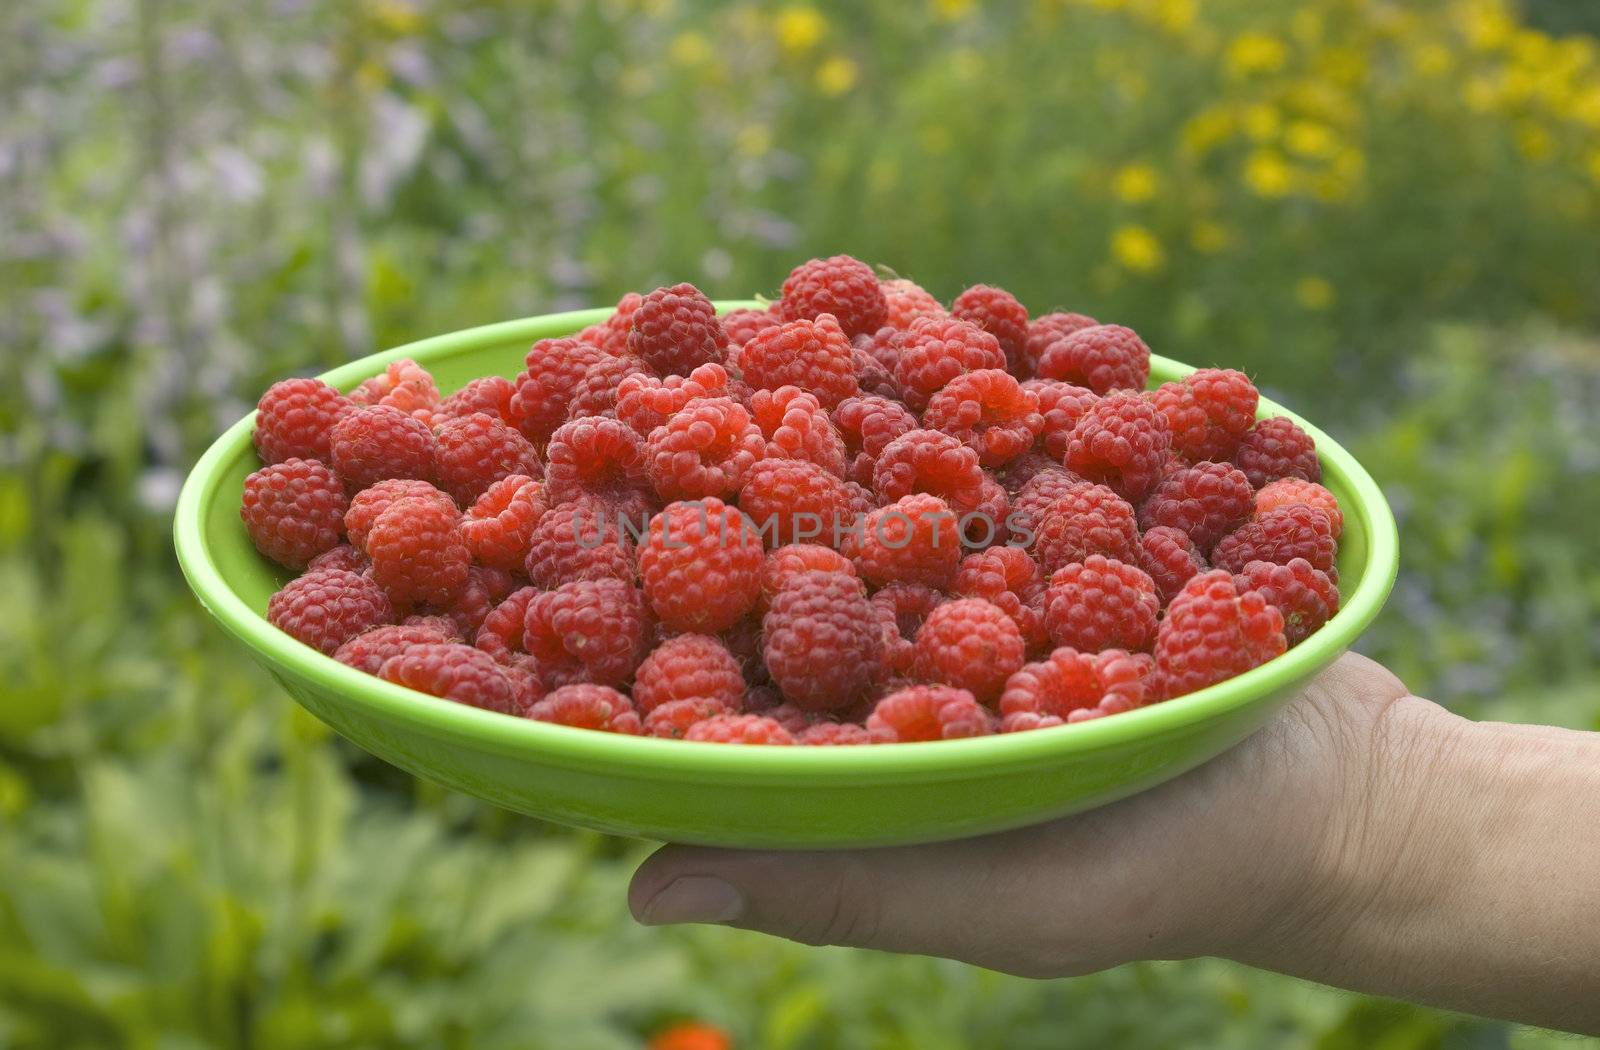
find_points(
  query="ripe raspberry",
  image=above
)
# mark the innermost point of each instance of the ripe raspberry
(343, 556)
(883, 346)
(1016, 474)
(1277, 448)
(1211, 632)
(821, 641)
(743, 640)
(476, 451)
(1104, 358)
(1061, 405)
(1071, 686)
(929, 461)
(526, 687)
(738, 729)
(587, 631)
(1100, 603)
(498, 527)
(871, 375)
(1169, 559)
(986, 524)
(844, 287)
(596, 392)
(404, 385)
(905, 301)
(969, 644)
(1285, 491)
(990, 412)
(792, 501)
(788, 561)
(834, 734)
(599, 457)
(812, 355)
(901, 610)
(1279, 536)
(1085, 519)
(327, 608)
(454, 672)
(581, 540)
(488, 394)
(928, 712)
(586, 706)
(1007, 578)
(439, 624)
(934, 350)
(294, 419)
(1208, 412)
(675, 330)
(1034, 498)
(1306, 597)
(997, 312)
(485, 588)
(1206, 501)
(378, 443)
(867, 424)
(797, 427)
(685, 667)
(912, 540)
(644, 401)
(673, 718)
(500, 635)
(611, 335)
(369, 650)
(293, 511)
(701, 565)
(1046, 329)
(706, 449)
(367, 504)
(546, 386)
(1122, 442)
(742, 325)
(417, 552)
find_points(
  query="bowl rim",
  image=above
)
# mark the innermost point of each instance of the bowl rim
(582, 748)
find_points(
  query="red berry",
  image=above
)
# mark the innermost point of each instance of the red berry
(790, 560)
(791, 501)
(294, 419)
(1015, 476)
(488, 394)
(797, 427)
(1170, 560)
(1208, 412)
(997, 312)
(500, 634)
(1100, 603)
(902, 609)
(342, 556)
(498, 527)
(1212, 632)
(545, 389)
(1277, 448)
(367, 504)
(591, 631)
(476, 451)
(327, 608)
(834, 734)
(417, 552)
(599, 457)
(867, 424)
(586, 706)
(596, 393)
(742, 325)
(929, 461)
(673, 718)
(1306, 597)
(1285, 491)
(1279, 536)
(581, 540)
(906, 301)
(686, 667)
(738, 729)
(1206, 501)
(1103, 358)
(1121, 441)
(1044, 330)
(378, 443)
(821, 641)
(675, 330)
(934, 350)
(644, 401)
(1061, 405)
(484, 589)
(915, 539)
(705, 449)
(1071, 686)
(815, 356)
(454, 672)
(293, 511)
(872, 377)
(928, 712)
(1085, 519)
(969, 644)
(368, 650)
(439, 624)
(1009, 579)
(989, 412)
(701, 565)
(844, 287)
(404, 385)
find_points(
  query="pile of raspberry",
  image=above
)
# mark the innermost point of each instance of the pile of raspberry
(857, 516)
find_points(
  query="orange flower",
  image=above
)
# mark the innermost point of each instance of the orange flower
(691, 1035)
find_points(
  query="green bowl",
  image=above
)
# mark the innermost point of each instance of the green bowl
(718, 794)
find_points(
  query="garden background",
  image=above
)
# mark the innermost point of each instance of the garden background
(1388, 212)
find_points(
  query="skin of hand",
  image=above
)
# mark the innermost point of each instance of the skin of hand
(1365, 838)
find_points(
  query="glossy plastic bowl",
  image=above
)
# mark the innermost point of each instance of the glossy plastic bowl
(749, 796)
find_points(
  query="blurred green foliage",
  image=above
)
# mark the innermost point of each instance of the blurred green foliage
(1386, 212)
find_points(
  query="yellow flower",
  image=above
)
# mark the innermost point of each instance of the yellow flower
(1137, 249)
(1488, 25)
(952, 10)
(1209, 237)
(398, 18)
(1481, 93)
(1261, 122)
(1310, 139)
(1268, 174)
(799, 28)
(1431, 58)
(689, 49)
(1252, 53)
(1135, 183)
(1314, 293)
(1207, 129)
(836, 76)
(1175, 15)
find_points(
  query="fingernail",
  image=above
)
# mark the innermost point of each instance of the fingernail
(693, 898)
